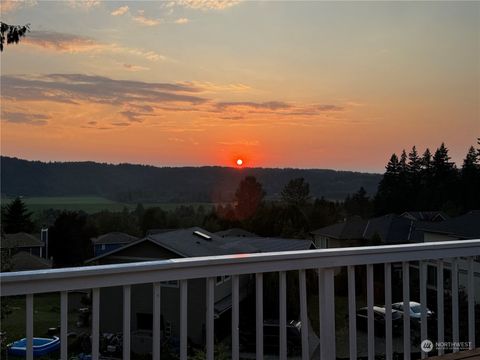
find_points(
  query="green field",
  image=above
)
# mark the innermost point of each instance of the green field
(89, 204)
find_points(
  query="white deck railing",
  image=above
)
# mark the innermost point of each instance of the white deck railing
(325, 261)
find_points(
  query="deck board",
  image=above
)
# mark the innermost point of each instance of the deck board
(469, 355)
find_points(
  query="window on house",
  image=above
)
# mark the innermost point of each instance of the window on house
(103, 246)
(170, 283)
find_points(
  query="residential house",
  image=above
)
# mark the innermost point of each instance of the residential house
(237, 232)
(192, 242)
(111, 241)
(355, 231)
(23, 261)
(430, 216)
(13, 243)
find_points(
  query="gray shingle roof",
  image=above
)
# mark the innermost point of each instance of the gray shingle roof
(25, 261)
(235, 232)
(267, 244)
(466, 226)
(114, 238)
(426, 215)
(20, 239)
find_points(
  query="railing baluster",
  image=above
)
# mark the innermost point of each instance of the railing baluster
(126, 321)
(156, 321)
(352, 316)
(440, 307)
(29, 324)
(455, 327)
(235, 317)
(95, 323)
(282, 277)
(471, 304)
(388, 312)
(422, 268)
(259, 315)
(210, 313)
(327, 313)
(371, 319)
(63, 325)
(183, 319)
(303, 313)
(406, 310)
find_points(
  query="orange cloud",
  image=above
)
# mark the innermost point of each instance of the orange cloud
(142, 19)
(122, 10)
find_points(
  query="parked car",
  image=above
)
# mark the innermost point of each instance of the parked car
(379, 319)
(415, 310)
(271, 337)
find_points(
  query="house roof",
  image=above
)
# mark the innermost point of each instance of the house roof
(235, 232)
(352, 228)
(190, 243)
(465, 226)
(390, 228)
(267, 244)
(426, 215)
(19, 240)
(25, 261)
(114, 238)
(195, 242)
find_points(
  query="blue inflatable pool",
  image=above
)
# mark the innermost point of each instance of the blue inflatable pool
(41, 346)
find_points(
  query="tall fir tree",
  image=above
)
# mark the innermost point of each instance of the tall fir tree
(470, 180)
(16, 217)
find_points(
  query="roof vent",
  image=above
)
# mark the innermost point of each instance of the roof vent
(202, 235)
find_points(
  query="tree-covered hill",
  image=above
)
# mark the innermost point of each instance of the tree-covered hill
(140, 183)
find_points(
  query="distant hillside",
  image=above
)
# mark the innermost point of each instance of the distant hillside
(140, 183)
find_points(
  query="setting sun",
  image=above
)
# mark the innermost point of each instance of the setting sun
(239, 162)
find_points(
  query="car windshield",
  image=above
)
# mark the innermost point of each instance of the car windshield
(416, 308)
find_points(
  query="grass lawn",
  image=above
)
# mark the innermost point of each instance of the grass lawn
(46, 308)
(89, 204)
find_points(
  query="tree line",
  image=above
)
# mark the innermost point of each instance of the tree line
(410, 183)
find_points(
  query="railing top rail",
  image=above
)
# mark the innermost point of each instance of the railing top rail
(40, 281)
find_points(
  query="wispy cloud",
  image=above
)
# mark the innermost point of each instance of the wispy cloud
(242, 143)
(73, 88)
(122, 10)
(7, 6)
(208, 4)
(144, 20)
(269, 105)
(182, 21)
(84, 4)
(131, 67)
(70, 43)
(25, 118)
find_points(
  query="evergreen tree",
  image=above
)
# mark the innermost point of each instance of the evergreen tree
(387, 198)
(444, 178)
(470, 180)
(70, 239)
(296, 193)
(248, 197)
(359, 204)
(16, 217)
(414, 168)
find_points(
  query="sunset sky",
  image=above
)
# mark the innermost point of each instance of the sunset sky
(337, 85)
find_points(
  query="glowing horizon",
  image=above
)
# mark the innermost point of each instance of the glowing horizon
(276, 84)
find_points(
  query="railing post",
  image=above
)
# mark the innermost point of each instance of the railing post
(303, 313)
(209, 317)
(455, 325)
(95, 323)
(183, 319)
(29, 324)
(370, 319)
(63, 325)
(156, 321)
(126, 321)
(471, 304)
(388, 312)
(282, 278)
(440, 307)
(326, 290)
(259, 315)
(406, 309)
(422, 268)
(235, 317)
